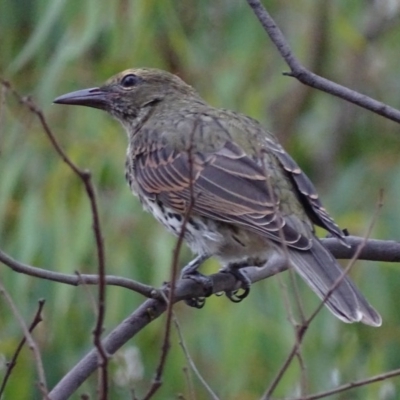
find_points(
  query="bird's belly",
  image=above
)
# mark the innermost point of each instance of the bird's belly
(243, 246)
(200, 234)
(229, 243)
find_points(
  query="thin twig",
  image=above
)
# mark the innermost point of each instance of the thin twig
(3, 92)
(189, 382)
(303, 75)
(174, 273)
(351, 385)
(89, 294)
(75, 280)
(11, 364)
(86, 178)
(31, 342)
(191, 362)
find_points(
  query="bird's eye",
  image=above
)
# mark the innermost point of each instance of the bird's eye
(129, 80)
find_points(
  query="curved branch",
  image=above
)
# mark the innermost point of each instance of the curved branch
(374, 249)
(75, 280)
(308, 78)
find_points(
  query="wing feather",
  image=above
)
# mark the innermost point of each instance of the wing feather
(306, 190)
(228, 186)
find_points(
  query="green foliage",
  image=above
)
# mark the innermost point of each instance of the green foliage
(51, 47)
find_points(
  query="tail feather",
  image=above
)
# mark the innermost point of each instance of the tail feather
(320, 270)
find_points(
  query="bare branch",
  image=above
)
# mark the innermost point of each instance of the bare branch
(311, 79)
(374, 250)
(75, 280)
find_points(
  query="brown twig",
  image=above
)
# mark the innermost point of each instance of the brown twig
(299, 72)
(189, 383)
(351, 385)
(89, 294)
(191, 362)
(286, 109)
(3, 92)
(174, 272)
(75, 280)
(11, 364)
(85, 177)
(29, 339)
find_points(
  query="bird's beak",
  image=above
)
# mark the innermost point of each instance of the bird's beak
(94, 97)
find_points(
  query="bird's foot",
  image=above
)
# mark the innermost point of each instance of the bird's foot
(242, 277)
(207, 285)
(190, 272)
(196, 302)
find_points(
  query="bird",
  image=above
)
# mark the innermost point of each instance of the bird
(241, 196)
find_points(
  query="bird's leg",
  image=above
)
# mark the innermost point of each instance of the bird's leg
(189, 271)
(236, 270)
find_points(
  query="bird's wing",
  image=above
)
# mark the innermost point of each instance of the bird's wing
(306, 190)
(226, 185)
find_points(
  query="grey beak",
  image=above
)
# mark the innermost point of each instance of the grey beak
(93, 97)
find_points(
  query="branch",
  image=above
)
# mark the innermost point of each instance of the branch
(308, 78)
(374, 250)
(75, 280)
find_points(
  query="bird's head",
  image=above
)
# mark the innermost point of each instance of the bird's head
(130, 93)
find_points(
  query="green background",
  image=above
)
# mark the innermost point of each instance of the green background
(48, 48)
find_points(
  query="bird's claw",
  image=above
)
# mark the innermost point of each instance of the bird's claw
(242, 277)
(235, 297)
(196, 302)
(205, 282)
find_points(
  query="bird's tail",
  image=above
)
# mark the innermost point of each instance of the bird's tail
(320, 271)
